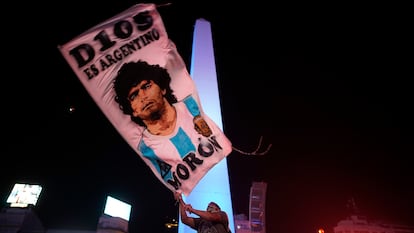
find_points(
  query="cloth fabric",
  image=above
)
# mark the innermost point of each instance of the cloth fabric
(138, 33)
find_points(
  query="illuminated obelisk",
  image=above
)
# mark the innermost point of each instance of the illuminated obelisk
(215, 185)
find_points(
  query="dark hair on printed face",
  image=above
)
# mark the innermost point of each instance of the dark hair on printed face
(131, 74)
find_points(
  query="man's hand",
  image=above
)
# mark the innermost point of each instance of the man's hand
(188, 208)
(178, 198)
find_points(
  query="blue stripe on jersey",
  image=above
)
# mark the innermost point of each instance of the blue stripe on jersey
(182, 143)
(156, 162)
(192, 105)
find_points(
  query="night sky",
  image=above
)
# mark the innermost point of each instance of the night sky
(326, 85)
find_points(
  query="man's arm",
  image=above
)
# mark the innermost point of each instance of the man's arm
(219, 216)
(214, 217)
(189, 221)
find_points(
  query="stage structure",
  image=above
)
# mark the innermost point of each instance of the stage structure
(215, 184)
(258, 207)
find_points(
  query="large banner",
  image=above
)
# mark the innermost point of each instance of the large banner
(133, 72)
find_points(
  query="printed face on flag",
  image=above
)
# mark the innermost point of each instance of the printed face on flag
(133, 72)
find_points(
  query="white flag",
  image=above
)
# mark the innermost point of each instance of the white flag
(133, 72)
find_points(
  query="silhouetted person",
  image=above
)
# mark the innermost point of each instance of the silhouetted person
(211, 220)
